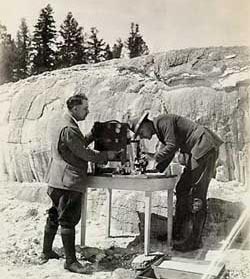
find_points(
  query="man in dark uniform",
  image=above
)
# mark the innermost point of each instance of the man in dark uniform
(200, 148)
(66, 178)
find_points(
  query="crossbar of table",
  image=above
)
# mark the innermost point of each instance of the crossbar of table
(146, 185)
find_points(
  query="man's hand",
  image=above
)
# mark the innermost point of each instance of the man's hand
(183, 159)
(114, 154)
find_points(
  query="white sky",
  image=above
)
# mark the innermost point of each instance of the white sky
(164, 24)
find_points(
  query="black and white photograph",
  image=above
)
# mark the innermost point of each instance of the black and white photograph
(125, 139)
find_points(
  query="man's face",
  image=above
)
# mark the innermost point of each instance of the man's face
(145, 132)
(81, 111)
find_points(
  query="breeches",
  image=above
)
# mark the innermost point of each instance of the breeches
(65, 210)
(194, 181)
(191, 204)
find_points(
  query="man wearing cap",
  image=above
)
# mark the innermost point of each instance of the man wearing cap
(66, 178)
(200, 148)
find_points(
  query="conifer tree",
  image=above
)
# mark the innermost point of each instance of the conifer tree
(108, 55)
(117, 49)
(23, 41)
(71, 47)
(96, 47)
(7, 56)
(135, 43)
(44, 42)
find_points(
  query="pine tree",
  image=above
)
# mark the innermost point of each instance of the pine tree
(135, 43)
(7, 56)
(44, 42)
(96, 47)
(108, 55)
(71, 48)
(117, 49)
(23, 41)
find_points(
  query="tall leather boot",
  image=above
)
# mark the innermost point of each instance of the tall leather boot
(48, 253)
(194, 229)
(71, 263)
(180, 219)
(198, 228)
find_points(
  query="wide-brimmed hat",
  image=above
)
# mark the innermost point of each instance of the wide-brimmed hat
(135, 123)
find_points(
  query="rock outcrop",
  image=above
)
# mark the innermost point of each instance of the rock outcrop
(208, 85)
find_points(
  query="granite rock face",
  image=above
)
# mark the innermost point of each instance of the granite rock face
(208, 85)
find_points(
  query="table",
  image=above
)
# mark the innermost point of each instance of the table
(147, 183)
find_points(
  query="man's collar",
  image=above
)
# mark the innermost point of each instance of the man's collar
(72, 118)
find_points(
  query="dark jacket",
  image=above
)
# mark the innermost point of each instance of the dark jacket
(179, 133)
(69, 154)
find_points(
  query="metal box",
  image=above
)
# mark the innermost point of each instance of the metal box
(183, 268)
(111, 136)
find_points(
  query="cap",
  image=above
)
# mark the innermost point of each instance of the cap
(135, 123)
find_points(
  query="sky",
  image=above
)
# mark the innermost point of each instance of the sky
(164, 24)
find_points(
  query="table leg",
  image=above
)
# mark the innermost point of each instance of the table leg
(170, 216)
(109, 206)
(148, 204)
(84, 217)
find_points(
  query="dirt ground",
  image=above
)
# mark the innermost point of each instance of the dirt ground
(21, 236)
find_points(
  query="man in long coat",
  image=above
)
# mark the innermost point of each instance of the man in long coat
(200, 148)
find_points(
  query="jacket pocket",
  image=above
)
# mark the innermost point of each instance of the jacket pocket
(202, 147)
(72, 176)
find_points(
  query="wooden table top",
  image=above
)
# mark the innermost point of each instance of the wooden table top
(141, 182)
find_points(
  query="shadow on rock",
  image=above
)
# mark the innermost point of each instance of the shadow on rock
(221, 219)
(222, 216)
